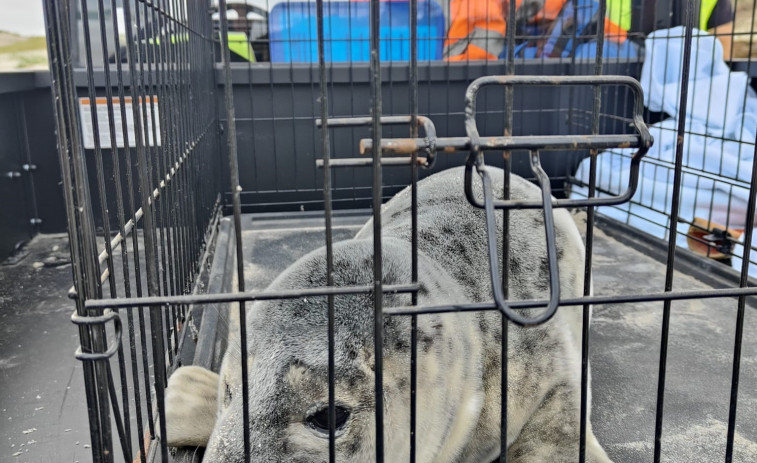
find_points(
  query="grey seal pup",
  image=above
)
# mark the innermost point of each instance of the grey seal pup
(458, 353)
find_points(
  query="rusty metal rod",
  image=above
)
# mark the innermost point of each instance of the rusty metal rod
(366, 121)
(428, 148)
(407, 146)
(362, 162)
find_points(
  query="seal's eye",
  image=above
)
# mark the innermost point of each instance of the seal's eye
(319, 420)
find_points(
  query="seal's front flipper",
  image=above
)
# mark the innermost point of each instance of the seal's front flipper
(191, 406)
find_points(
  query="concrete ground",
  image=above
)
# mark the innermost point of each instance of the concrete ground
(43, 413)
(625, 346)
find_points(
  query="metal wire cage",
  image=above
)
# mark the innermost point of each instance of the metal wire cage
(136, 93)
(141, 181)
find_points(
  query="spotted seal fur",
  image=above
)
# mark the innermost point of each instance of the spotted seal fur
(458, 354)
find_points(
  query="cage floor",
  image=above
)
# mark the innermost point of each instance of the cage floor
(624, 351)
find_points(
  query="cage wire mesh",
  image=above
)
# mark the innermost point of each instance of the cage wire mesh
(144, 138)
(141, 176)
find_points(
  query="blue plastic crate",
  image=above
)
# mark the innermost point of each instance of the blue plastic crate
(293, 33)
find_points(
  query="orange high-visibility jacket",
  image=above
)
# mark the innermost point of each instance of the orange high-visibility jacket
(477, 27)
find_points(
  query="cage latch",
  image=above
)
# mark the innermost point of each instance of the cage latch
(641, 140)
(425, 146)
(93, 320)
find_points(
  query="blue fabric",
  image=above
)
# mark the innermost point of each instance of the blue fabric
(719, 141)
(717, 97)
(625, 50)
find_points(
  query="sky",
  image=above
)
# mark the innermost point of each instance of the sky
(22, 17)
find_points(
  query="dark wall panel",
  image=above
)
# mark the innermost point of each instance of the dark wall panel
(279, 143)
(31, 199)
(43, 150)
(16, 209)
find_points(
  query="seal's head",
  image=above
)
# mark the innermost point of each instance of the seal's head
(288, 363)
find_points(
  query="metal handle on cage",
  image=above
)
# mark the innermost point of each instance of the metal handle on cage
(99, 320)
(476, 158)
(491, 237)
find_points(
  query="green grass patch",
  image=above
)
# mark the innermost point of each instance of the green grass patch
(31, 61)
(30, 44)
